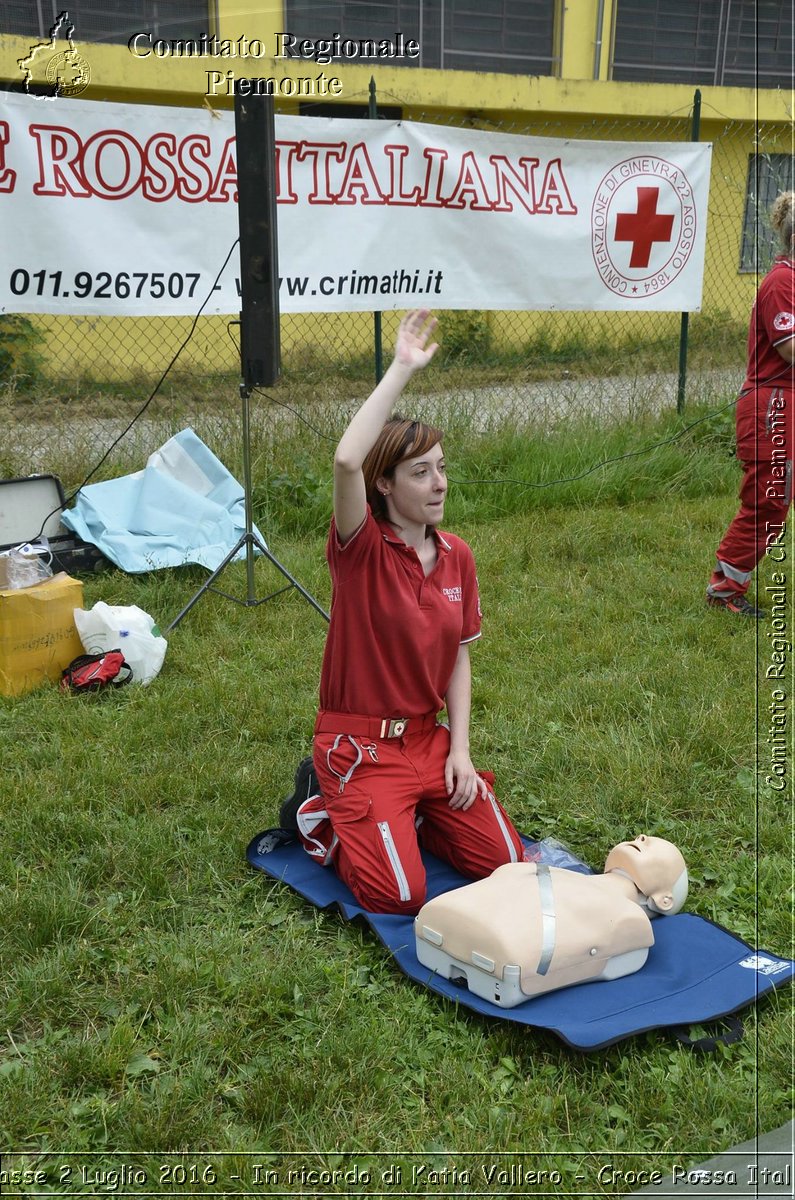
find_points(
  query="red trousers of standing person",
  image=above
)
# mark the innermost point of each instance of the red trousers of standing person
(765, 448)
(383, 794)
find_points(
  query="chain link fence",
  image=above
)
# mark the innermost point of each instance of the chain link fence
(92, 375)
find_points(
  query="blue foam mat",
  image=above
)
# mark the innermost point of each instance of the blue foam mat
(696, 971)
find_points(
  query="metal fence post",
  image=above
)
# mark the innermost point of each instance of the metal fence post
(378, 349)
(680, 392)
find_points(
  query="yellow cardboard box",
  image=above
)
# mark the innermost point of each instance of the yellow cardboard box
(38, 637)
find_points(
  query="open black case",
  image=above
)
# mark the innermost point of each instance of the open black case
(28, 504)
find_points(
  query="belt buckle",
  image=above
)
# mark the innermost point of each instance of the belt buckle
(394, 728)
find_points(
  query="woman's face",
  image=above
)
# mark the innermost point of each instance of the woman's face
(416, 491)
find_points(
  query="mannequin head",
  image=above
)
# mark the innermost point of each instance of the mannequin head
(656, 868)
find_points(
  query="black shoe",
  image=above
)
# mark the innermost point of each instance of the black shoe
(735, 602)
(306, 785)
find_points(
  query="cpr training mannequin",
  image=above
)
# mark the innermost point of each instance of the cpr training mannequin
(530, 928)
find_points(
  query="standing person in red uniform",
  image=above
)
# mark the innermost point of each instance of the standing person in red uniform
(385, 774)
(765, 420)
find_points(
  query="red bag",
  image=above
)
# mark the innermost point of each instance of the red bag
(93, 672)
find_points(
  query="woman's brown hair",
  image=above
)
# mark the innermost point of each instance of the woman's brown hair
(399, 439)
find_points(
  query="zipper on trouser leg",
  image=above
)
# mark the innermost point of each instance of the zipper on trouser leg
(503, 827)
(404, 891)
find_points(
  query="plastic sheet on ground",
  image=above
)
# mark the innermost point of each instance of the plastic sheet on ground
(183, 507)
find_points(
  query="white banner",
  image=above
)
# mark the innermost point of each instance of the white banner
(116, 209)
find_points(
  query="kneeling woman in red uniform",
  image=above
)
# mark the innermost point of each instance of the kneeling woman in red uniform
(387, 775)
(765, 424)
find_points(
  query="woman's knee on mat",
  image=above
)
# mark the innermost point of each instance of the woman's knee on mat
(385, 902)
(493, 841)
(385, 893)
(475, 841)
(491, 853)
(381, 864)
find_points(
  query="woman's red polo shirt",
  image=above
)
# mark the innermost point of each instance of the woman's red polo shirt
(395, 632)
(772, 324)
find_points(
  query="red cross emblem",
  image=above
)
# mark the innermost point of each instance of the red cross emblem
(644, 227)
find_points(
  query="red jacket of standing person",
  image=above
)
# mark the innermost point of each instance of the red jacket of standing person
(765, 421)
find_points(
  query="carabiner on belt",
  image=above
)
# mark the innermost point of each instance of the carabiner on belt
(343, 778)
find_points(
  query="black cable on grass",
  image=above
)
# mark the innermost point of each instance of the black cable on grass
(274, 400)
(607, 462)
(519, 482)
(149, 399)
(524, 482)
(296, 413)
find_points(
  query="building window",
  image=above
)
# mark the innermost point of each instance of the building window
(107, 20)
(741, 43)
(512, 36)
(516, 37)
(768, 174)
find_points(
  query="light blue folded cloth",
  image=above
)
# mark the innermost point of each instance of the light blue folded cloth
(184, 507)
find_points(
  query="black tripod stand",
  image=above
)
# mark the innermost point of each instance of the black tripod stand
(259, 318)
(248, 539)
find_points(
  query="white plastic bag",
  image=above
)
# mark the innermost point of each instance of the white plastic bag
(126, 628)
(25, 565)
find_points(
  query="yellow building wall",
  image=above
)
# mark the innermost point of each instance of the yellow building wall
(573, 105)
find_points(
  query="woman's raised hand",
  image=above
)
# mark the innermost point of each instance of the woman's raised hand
(411, 349)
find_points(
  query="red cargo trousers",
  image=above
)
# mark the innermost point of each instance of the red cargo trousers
(383, 796)
(765, 443)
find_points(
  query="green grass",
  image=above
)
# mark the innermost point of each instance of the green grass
(157, 995)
